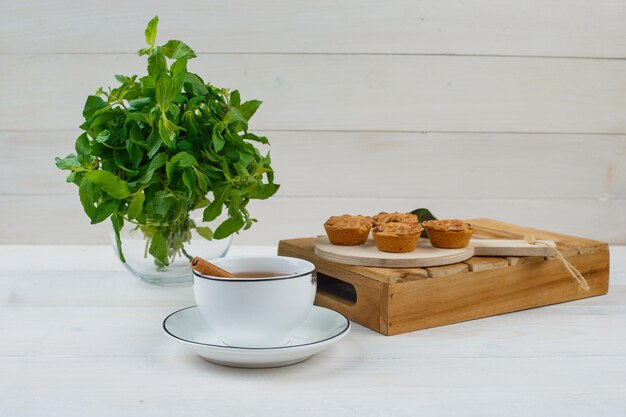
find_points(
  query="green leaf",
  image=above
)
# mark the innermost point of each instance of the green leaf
(249, 108)
(214, 209)
(270, 173)
(135, 154)
(166, 92)
(154, 142)
(104, 210)
(119, 159)
(205, 232)
(201, 202)
(139, 102)
(261, 139)
(189, 121)
(101, 119)
(151, 31)
(157, 162)
(86, 193)
(169, 170)
(157, 63)
(109, 183)
(69, 162)
(92, 105)
(228, 227)
(74, 177)
(245, 158)
(162, 203)
(126, 80)
(118, 222)
(189, 180)
(167, 131)
(135, 133)
(262, 191)
(135, 206)
(197, 85)
(158, 248)
(234, 115)
(103, 136)
(235, 98)
(173, 111)
(183, 159)
(217, 140)
(148, 84)
(241, 170)
(174, 49)
(83, 149)
(203, 181)
(178, 70)
(423, 214)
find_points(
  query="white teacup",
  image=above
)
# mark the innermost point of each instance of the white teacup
(256, 312)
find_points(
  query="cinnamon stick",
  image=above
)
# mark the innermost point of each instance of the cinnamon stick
(207, 268)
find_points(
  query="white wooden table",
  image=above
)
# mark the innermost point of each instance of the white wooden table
(79, 336)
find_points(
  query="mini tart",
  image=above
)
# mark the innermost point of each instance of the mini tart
(382, 218)
(348, 230)
(397, 237)
(448, 234)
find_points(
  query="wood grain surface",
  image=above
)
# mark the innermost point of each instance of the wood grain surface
(593, 166)
(335, 92)
(563, 28)
(506, 109)
(82, 336)
(62, 220)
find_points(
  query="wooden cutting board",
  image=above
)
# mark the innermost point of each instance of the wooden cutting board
(426, 255)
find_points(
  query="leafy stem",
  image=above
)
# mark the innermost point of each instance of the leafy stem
(157, 146)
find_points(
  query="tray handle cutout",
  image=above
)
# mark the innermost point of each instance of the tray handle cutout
(340, 291)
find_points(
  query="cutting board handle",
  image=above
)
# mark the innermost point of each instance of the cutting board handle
(503, 247)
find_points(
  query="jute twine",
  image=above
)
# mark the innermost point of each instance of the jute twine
(574, 273)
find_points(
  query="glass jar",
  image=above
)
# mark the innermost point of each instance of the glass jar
(141, 264)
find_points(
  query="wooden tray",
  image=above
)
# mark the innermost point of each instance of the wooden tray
(393, 300)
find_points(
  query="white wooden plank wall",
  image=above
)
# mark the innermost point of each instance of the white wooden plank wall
(507, 109)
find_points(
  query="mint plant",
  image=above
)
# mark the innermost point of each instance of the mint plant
(159, 146)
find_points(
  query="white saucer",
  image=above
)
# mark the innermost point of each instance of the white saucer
(322, 328)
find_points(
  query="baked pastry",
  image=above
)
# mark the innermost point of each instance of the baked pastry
(348, 230)
(448, 234)
(395, 217)
(397, 237)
